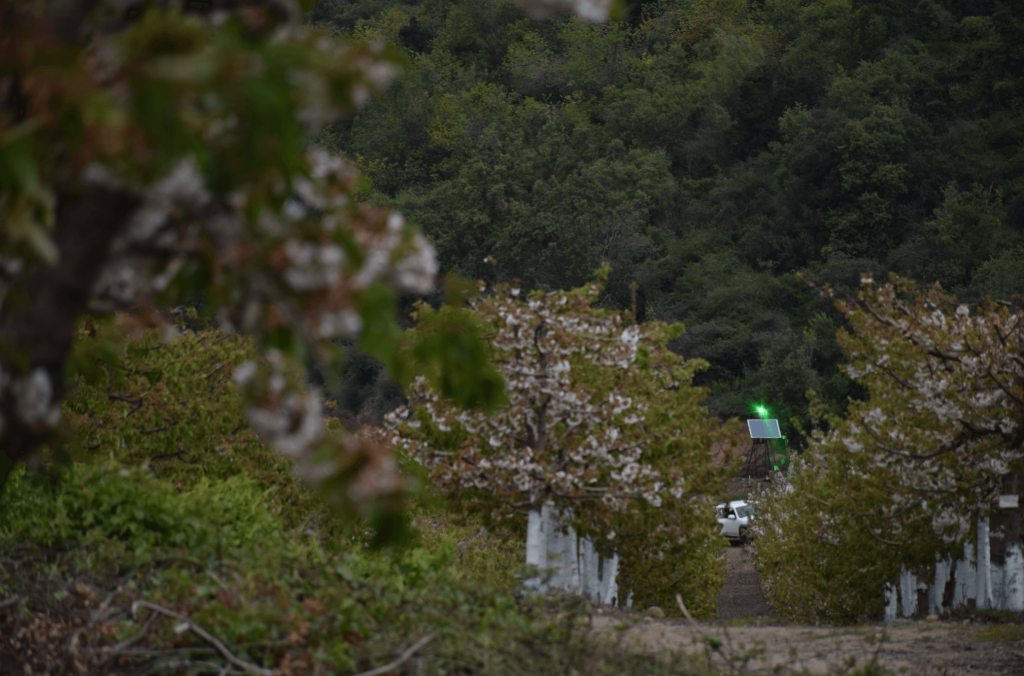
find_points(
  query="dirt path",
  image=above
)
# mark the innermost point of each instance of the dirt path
(907, 649)
(741, 596)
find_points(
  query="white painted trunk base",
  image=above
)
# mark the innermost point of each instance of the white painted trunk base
(569, 563)
(891, 602)
(938, 589)
(966, 578)
(536, 549)
(984, 597)
(976, 581)
(1013, 582)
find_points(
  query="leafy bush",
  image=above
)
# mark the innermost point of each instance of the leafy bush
(277, 596)
(697, 576)
(816, 567)
(104, 501)
(169, 407)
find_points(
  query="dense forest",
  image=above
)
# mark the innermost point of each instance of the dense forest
(719, 153)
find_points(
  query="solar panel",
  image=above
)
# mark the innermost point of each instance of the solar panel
(764, 429)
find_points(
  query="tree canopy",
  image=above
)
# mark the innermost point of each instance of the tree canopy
(710, 150)
(602, 426)
(157, 156)
(906, 474)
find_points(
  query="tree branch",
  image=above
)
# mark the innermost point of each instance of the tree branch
(402, 659)
(206, 636)
(1007, 390)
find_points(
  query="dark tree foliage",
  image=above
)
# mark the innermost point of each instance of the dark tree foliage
(361, 391)
(712, 151)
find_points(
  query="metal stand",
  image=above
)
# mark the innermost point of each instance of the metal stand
(768, 460)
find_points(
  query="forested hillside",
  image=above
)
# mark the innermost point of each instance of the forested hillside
(711, 151)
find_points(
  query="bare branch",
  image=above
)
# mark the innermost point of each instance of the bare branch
(402, 659)
(206, 636)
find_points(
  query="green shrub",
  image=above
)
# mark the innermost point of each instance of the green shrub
(90, 503)
(698, 578)
(170, 408)
(276, 595)
(816, 567)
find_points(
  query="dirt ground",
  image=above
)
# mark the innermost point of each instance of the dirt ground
(741, 596)
(905, 648)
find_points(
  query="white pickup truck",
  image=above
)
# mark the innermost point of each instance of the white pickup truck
(734, 518)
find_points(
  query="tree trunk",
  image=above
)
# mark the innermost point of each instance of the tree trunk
(562, 555)
(564, 562)
(1014, 570)
(984, 588)
(536, 549)
(966, 578)
(41, 312)
(908, 593)
(1013, 558)
(937, 592)
(609, 590)
(891, 601)
(589, 571)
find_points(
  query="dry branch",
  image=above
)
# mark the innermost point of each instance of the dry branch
(404, 657)
(246, 667)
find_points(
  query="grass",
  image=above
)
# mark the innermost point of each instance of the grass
(997, 616)
(1001, 633)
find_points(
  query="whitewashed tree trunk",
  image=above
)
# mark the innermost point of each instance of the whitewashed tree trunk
(938, 588)
(966, 578)
(998, 587)
(984, 598)
(908, 593)
(567, 562)
(609, 588)
(536, 550)
(990, 586)
(891, 602)
(563, 558)
(590, 563)
(1014, 572)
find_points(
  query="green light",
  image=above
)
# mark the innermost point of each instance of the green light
(762, 411)
(776, 468)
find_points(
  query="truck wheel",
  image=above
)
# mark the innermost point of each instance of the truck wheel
(744, 537)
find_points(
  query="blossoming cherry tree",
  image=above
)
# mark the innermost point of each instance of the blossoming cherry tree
(587, 442)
